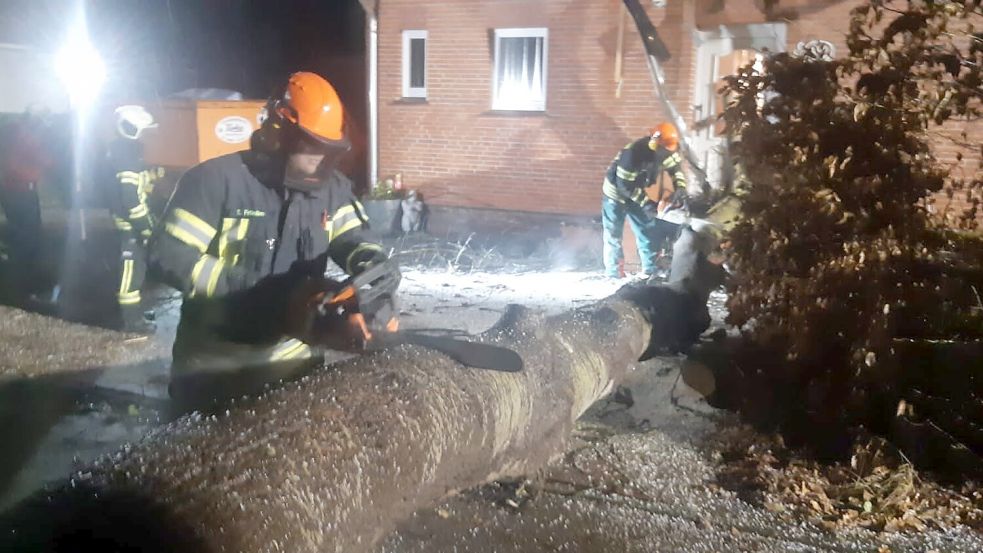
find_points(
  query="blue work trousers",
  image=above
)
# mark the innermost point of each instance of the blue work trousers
(650, 234)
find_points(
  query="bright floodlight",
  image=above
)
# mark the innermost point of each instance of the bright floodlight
(80, 68)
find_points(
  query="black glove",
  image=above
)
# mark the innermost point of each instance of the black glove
(679, 199)
(651, 209)
(376, 276)
(302, 309)
(349, 322)
(378, 301)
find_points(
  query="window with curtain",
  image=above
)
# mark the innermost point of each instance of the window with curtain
(414, 64)
(519, 81)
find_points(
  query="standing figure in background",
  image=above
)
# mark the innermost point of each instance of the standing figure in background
(22, 165)
(131, 183)
(636, 167)
(414, 213)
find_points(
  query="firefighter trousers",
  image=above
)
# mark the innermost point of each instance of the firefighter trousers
(651, 235)
(132, 272)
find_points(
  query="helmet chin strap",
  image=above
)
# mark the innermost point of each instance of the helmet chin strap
(304, 184)
(312, 182)
(271, 148)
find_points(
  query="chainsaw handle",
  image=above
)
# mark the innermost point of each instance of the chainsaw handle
(371, 284)
(347, 293)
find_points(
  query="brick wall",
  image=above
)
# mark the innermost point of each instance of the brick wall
(459, 152)
(829, 20)
(832, 23)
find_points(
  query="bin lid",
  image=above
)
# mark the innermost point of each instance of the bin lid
(208, 94)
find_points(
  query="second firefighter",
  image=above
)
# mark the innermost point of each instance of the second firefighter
(637, 167)
(132, 182)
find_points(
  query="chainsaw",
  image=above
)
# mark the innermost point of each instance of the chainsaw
(362, 315)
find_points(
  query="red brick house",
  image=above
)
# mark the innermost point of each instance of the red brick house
(521, 104)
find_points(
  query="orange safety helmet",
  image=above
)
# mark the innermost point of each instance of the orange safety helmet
(667, 136)
(312, 104)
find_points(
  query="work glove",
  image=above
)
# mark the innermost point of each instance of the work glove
(303, 307)
(345, 315)
(678, 200)
(651, 209)
(382, 293)
(379, 303)
(335, 327)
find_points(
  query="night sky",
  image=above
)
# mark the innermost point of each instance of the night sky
(157, 47)
(154, 48)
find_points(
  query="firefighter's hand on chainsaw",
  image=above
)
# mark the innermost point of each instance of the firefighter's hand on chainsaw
(303, 305)
(345, 315)
(651, 209)
(335, 327)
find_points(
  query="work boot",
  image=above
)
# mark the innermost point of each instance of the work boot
(136, 322)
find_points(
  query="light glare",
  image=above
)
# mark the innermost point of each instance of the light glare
(80, 68)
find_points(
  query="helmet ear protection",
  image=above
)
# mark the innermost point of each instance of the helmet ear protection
(272, 128)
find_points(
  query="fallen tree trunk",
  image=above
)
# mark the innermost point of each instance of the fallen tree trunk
(332, 462)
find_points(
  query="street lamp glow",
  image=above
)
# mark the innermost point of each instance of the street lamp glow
(82, 72)
(80, 68)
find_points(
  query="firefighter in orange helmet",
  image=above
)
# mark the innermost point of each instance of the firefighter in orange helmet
(247, 237)
(637, 167)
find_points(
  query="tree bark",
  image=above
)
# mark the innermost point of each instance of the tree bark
(332, 462)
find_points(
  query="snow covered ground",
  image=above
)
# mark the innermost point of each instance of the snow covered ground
(636, 478)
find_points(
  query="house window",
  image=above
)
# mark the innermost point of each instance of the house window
(414, 64)
(519, 81)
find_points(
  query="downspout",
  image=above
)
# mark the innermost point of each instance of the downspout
(371, 8)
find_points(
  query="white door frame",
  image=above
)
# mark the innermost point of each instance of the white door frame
(714, 43)
(711, 45)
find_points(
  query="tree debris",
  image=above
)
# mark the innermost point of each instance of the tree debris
(830, 299)
(877, 489)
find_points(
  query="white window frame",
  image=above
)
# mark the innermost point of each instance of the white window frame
(520, 32)
(414, 91)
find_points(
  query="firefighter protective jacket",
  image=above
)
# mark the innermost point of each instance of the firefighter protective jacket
(236, 247)
(636, 167)
(132, 182)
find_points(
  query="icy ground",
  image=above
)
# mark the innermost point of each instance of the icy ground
(635, 479)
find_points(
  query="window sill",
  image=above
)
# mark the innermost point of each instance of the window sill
(515, 113)
(410, 100)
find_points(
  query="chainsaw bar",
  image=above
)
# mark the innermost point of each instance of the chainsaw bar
(470, 354)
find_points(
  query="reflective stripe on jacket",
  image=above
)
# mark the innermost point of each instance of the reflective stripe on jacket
(236, 247)
(131, 182)
(636, 167)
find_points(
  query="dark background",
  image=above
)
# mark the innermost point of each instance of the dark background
(154, 48)
(163, 46)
